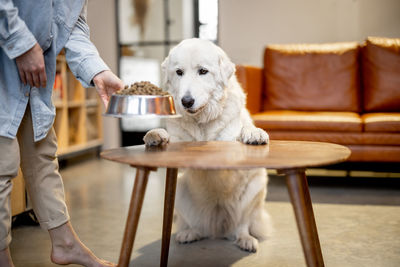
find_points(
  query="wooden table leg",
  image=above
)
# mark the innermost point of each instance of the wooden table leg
(132, 221)
(300, 197)
(169, 202)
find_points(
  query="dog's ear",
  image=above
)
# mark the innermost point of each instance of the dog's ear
(226, 66)
(164, 73)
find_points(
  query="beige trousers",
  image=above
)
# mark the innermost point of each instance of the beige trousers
(43, 182)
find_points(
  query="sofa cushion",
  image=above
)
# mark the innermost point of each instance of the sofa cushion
(381, 74)
(381, 122)
(308, 121)
(374, 153)
(250, 78)
(312, 77)
(343, 138)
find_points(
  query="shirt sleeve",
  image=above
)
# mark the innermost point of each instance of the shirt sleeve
(82, 56)
(15, 37)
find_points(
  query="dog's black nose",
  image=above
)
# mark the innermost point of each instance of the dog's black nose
(187, 101)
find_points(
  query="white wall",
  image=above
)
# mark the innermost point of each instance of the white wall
(102, 23)
(246, 26)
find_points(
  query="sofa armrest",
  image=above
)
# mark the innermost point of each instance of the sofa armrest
(251, 79)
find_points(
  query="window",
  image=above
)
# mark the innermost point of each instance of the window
(208, 19)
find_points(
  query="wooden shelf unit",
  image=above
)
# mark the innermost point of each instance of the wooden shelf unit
(18, 195)
(78, 122)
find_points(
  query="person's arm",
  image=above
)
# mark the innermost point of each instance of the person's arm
(86, 63)
(18, 43)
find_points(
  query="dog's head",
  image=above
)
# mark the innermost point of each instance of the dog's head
(196, 73)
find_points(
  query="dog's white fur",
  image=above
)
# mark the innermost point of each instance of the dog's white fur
(213, 203)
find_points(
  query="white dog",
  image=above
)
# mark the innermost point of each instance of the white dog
(213, 203)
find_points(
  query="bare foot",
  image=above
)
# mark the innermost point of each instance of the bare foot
(5, 258)
(68, 249)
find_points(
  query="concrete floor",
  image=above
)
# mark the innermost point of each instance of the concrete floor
(358, 220)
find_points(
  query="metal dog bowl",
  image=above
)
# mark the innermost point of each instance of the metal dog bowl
(122, 106)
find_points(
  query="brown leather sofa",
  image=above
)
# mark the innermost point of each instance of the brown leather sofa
(344, 93)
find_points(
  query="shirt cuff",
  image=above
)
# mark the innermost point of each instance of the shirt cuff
(89, 68)
(18, 43)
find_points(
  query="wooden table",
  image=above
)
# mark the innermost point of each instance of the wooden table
(290, 158)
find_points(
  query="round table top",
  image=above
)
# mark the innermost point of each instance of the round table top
(231, 155)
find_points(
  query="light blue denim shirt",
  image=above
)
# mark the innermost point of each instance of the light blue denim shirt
(53, 24)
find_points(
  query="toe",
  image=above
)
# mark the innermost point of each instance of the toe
(187, 236)
(248, 243)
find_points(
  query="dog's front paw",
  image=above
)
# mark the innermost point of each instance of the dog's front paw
(156, 137)
(247, 243)
(187, 236)
(254, 136)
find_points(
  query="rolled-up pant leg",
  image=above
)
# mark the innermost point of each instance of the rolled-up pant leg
(9, 164)
(40, 170)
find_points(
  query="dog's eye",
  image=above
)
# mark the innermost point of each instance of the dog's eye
(203, 71)
(179, 72)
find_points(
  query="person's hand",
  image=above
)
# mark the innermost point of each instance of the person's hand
(31, 67)
(106, 84)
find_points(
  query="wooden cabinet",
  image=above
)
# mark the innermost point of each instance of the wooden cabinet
(18, 196)
(78, 124)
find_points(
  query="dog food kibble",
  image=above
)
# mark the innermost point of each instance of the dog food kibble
(141, 88)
